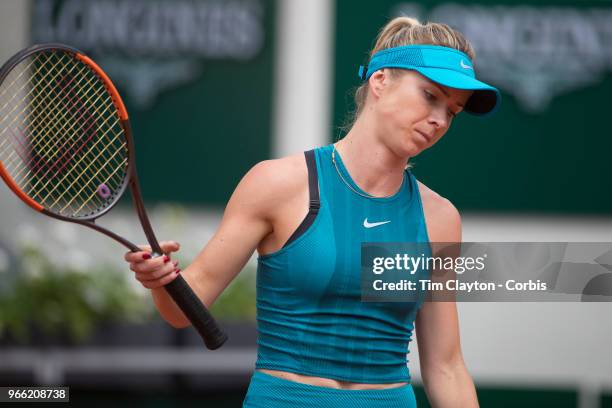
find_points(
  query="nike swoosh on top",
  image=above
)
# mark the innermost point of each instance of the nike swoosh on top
(464, 65)
(373, 224)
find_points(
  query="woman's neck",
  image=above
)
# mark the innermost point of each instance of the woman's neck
(371, 164)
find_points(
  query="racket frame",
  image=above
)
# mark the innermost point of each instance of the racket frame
(89, 221)
(200, 317)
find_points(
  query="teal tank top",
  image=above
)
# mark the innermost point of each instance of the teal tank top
(310, 316)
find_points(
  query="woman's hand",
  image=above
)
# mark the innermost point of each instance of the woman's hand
(154, 272)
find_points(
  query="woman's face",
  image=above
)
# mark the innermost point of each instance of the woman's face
(415, 111)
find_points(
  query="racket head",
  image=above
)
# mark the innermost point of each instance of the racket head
(65, 141)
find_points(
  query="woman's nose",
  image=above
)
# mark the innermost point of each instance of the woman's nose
(438, 119)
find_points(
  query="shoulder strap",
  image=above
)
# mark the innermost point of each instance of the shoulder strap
(314, 202)
(313, 181)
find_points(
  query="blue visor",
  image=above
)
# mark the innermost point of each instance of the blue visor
(443, 65)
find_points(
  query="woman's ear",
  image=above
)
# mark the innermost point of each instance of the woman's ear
(378, 81)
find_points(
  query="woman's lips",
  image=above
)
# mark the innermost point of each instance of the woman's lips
(427, 138)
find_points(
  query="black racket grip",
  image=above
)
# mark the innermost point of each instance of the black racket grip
(197, 313)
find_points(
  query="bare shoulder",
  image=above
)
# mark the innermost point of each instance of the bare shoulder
(270, 182)
(278, 176)
(442, 218)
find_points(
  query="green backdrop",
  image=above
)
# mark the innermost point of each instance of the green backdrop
(556, 160)
(196, 77)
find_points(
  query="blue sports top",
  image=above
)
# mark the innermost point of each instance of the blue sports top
(310, 316)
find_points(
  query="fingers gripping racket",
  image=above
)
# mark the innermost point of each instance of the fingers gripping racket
(66, 150)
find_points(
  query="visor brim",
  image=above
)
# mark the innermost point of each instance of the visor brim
(484, 101)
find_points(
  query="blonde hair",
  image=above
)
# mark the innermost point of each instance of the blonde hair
(407, 31)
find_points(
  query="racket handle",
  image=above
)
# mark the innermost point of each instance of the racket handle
(196, 312)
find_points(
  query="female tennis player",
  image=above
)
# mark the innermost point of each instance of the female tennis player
(307, 214)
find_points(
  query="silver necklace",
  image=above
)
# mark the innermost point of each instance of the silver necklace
(333, 156)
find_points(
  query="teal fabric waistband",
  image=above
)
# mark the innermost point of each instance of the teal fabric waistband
(269, 391)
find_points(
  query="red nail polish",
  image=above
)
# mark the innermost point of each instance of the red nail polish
(146, 256)
(166, 259)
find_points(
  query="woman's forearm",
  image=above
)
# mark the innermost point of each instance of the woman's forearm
(450, 387)
(168, 310)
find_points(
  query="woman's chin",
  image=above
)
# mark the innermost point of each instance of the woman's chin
(411, 149)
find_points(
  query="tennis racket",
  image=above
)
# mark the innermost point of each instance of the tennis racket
(66, 150)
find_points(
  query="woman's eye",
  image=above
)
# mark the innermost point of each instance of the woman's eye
(433, 97)
(430, 96)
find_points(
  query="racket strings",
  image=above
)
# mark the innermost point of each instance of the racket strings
(61, 140)
(7, 90)
(54, 120)
(52, 116)
(34, 114)
(46, 118)
(20, 103)
(77, 164)
(86, 188)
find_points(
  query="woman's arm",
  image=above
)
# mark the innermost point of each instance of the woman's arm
(445, 376)
(246, 221)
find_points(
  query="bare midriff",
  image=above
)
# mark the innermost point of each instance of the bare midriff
(328, 382)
